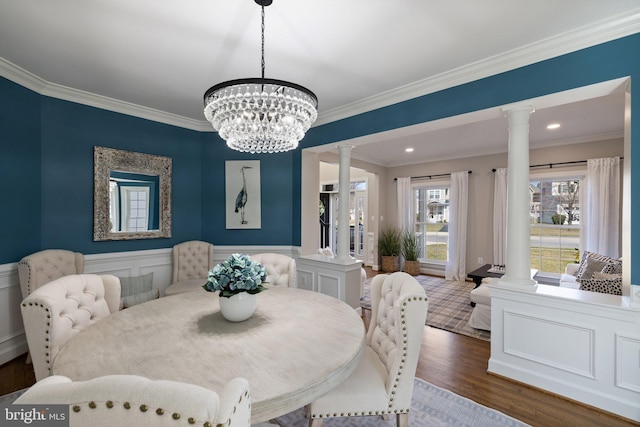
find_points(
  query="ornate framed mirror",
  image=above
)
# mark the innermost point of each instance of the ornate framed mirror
(131, 195)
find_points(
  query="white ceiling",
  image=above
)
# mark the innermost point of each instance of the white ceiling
(356, 55)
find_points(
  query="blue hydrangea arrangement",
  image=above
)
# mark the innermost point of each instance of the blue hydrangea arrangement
(236, 274)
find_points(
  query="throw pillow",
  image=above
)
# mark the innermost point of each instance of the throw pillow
(597, 275)
(586, 255)
(135, 285)
(605, 286)
(614, 267)
(139, 298)
(592, 265)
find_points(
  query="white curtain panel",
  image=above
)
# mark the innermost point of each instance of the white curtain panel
(405, 203)
(500, 217)
(600, 216)
(457, 246)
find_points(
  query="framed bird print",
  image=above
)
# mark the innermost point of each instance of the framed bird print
(242, 194)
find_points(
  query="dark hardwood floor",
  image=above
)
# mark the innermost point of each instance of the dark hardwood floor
(454, 362)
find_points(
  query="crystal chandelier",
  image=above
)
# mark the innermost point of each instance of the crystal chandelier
(259, 115)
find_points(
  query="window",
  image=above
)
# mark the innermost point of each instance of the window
(135, 206)
(432, 218)
(555, 223)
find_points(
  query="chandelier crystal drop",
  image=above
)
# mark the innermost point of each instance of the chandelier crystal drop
(259, 115)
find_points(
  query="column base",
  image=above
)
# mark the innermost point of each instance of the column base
(526, 285)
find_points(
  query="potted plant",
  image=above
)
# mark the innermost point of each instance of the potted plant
(410, 253)
(389, 246)
(239, 279)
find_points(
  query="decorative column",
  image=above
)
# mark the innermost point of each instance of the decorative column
(344, 183)
(518, 259)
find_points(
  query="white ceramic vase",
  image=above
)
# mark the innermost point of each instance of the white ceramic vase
(238, 307)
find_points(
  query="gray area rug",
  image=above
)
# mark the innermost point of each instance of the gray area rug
(431, 406)
(449, 305)
(8, 399)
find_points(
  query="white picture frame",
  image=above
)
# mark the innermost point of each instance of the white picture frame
(242, 194)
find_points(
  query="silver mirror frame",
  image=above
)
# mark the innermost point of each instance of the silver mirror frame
(106, 160)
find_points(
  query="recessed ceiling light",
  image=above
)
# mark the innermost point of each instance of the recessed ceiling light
(409, 150)
(553, 126)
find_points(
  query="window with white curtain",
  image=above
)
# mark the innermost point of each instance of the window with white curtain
(554, 201)
(432, 218)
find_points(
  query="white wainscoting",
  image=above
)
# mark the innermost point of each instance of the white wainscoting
(122, 264)
(582, 345)
(331, 276)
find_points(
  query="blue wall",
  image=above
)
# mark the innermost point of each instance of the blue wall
(19, 171)
(54, 139)
(276, 185)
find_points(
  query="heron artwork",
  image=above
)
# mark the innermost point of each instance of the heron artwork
(241, 198)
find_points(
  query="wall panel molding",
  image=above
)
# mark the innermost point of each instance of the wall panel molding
(551, 343)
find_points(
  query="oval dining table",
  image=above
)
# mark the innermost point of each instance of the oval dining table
(297, 346)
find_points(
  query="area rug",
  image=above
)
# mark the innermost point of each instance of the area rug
(449, 305)
(431, 406)
(8, 399)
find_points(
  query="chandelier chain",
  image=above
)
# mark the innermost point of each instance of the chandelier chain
(262, 64)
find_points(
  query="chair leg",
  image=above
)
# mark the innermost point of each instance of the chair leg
(315, 422)
(402, 420)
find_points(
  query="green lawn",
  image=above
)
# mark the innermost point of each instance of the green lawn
(437, 252)
(537, 230)
(552, 260)
(434, 227)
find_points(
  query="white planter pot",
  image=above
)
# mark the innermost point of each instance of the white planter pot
(238, 307)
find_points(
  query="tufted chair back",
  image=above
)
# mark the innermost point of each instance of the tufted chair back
(281, 269)
(129, 400)
(192, 260)
(399, 313)
(42, 267)
(55, 312)
(382, 383)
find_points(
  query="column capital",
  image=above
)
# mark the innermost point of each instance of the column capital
(345, 148)
(510, 109)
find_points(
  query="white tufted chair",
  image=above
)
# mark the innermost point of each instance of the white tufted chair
(192, 261)
(42, 267)
(129, 400)
(281, 269)
(382, 383)
(55, 312)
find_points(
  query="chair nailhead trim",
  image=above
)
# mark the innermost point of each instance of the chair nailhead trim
(191, 420)
(127, 405)
(160, 411)
(390, 410)
(109, 404)
(144, 407)
(76, 408)
(175, 416)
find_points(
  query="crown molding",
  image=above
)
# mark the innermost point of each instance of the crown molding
(571, 41)
(583, 37)
(87, 98)
(30, 81)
